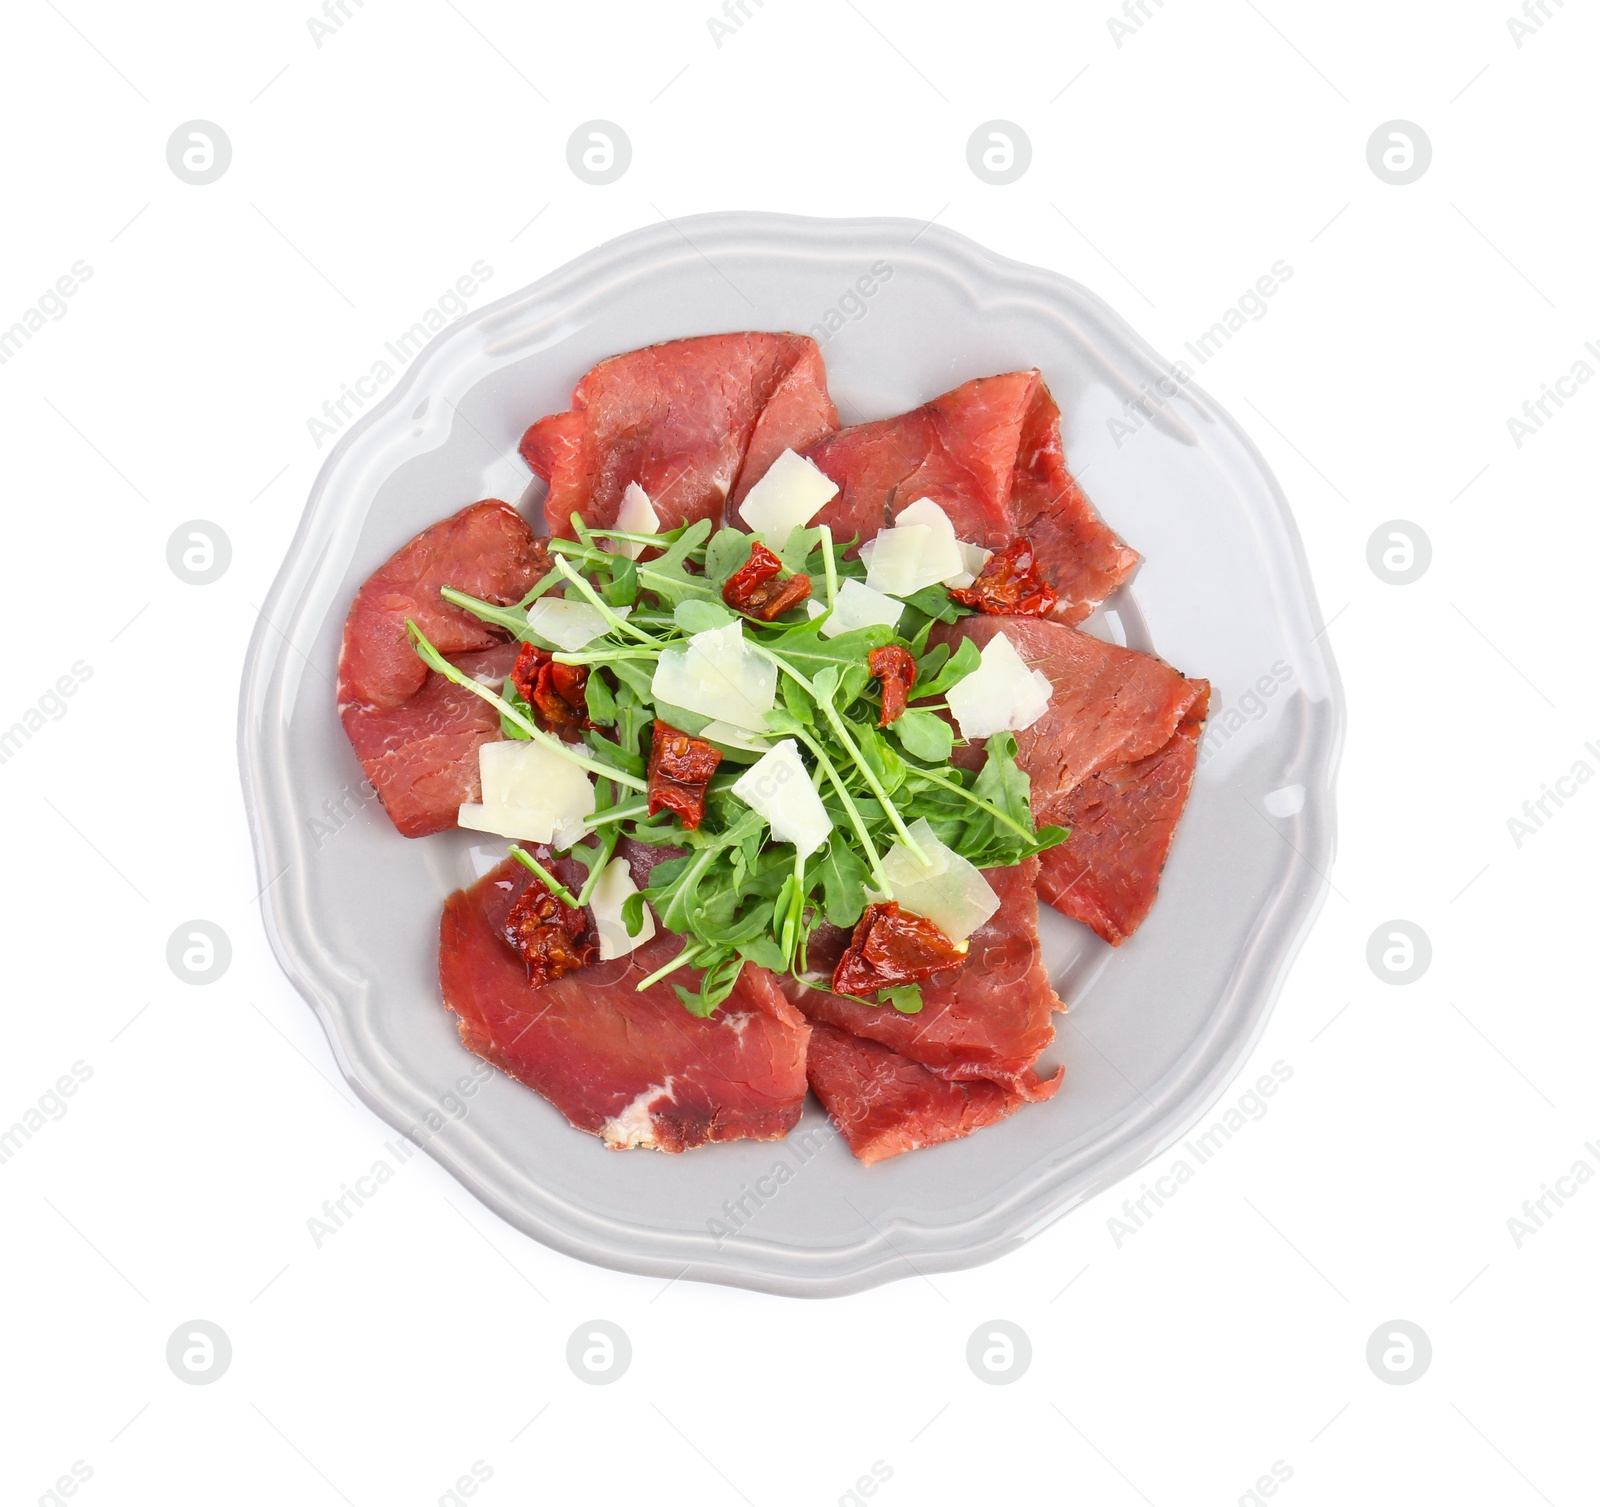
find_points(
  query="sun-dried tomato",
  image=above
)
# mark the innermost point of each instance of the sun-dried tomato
(554, 691)
(1009, 583)
(680, 767)
(897, 670)
(892, 946)
(552, 936)
(755, 590)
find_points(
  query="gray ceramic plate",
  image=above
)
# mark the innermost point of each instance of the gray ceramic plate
(1157, 1028)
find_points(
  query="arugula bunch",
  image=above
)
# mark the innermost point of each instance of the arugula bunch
(736, 895)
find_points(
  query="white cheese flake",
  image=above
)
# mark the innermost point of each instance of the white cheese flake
(778, 787)
(530, 794)
(719, 676)
(858, 606)
(605, 904)
(568, 624)
(788, 497)
(895, 565)
(637, 515)
(947, 890)
(942, 553)
(1001, 694)
(973, 558)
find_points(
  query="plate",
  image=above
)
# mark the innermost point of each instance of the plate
(1157, 1029)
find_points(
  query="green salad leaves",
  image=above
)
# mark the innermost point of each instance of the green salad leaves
(736, 894)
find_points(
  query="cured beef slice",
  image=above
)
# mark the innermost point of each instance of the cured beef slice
(989, 453)
(987, 1018)
(1110, 705)
(1076, 552)
(416, 734)
(695, 422)
(422, 756)
(635, 1069)
(960, 450)
(1122, 822)
(884, 1104)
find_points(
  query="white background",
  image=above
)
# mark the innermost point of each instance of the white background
(1168, 174)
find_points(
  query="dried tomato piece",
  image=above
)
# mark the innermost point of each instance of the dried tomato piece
(897, 670)
(892, 946)
(1009, 583)
(755, 590)
(552, 936)
(554, 691)
(680, 768)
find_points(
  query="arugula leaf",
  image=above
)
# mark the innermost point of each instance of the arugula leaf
(924, 735)
(796, 554)
(695, 616)
(949, 672)
(728, 550)
(934, 601)
(623, 588)
(906, 998)
(667, 577)
(680, 717)
(878, 756)
(597, 698)
(804, 647)
(764, 952)
(615, 755)
(515, 700)
(716, 984)
(844, 879)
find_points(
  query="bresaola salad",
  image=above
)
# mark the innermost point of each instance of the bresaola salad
(785, 727)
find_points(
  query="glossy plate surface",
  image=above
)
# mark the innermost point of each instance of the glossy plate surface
(1157, 1028)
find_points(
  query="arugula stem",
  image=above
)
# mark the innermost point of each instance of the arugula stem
(977, 800)
(608, 846)
(513, 619)
(437, 662)
(691, 951)
(605, 609)
(829, 567)
(551, 883)
(826, 765)
(611, 656)
(836, 722)
(616, 814)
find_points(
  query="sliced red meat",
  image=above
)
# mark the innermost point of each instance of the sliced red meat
(1110, 705)
(417, 735)
(884, 1104)
(1122, 820)
(987, 1018)
(486, 550)
(635, 1069)
(695, 422)
(422, 756)
(1076, 552)
(960, 450)
(989, 453)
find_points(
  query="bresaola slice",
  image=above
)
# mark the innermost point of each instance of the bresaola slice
(422, 755)
(1112, 759)
(1109, 705)
(989, 454)
(1080, 556)
(695, 422)
(635, 1069)
(988, 1017)
(416, 734)
(486, 550)
(885, 1104)
(1122, 821)
(960, 450)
